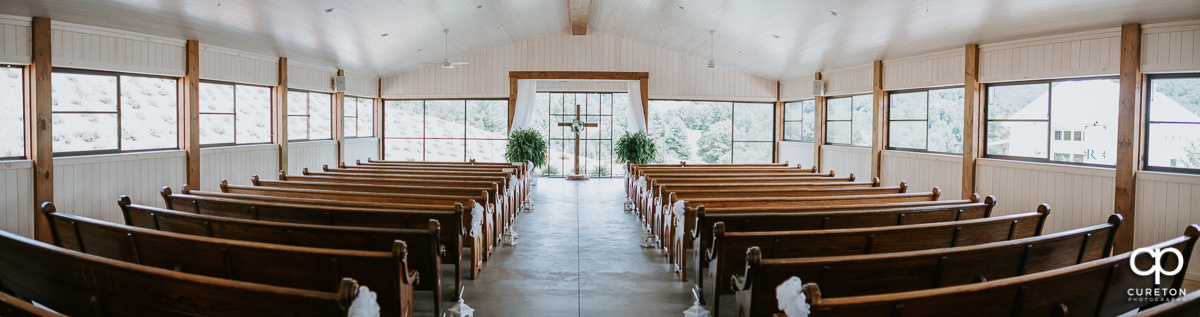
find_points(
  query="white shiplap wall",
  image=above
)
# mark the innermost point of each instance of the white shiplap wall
(943, 68)
(311, 154)
(583, 86)
(16, 197)
(223, 64)
(15, 40)
(849, 81)
(1166, 203)
(90, 47)
(1092, 53)
(797, 153)
(362, 85)
(844, 160)
(310, 77)
(236, 164)
(796, 89)
(1171, 47)
(1078, 196)
(672, 75)
(360, 149)
(923, 171)
(89, 185)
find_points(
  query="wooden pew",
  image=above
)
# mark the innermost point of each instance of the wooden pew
(1096, 288)
(79, 284)
(1187, 306)
(833, 218)
(319, 269)
(15, 307)
(729, 247)
(645, 196)
(857, 275)
(313, 211)
(631, 170)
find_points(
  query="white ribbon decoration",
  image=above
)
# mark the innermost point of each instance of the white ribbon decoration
(364, 305)
(791, 298)
(476, 220)
(677, 209)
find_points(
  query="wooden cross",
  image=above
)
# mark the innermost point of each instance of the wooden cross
(586, 125)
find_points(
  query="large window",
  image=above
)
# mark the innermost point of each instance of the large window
(445, 130)
(609, 111)
(12, 114)
(798, 121)
(309, 115)
(101, 112)
(234, 114)
(928, 120)
(1062, 121)
(358, 120)
(713, 132)
(1173, 138)
(848, 120)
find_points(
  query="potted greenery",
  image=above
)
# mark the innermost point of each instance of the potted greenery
(526, 145)
(637, 148)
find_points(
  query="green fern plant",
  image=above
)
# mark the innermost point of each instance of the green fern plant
(637, 148)
(526, 145)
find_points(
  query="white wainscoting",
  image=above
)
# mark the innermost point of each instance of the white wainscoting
(224, 64)
(926, 70)
(844, 160)
(16, 197)
(311, 154)
(1078, 196)
(360, 149)
(1171, 47)
(796, 89)
(797, 153)
(1165, 204)
(848, 81)
(310, 77)
(673, 75)
(90, 47)
(89, 185)
(236, 164)
(15, 40)
(1091, 53)
(923, 171)
(361, 85)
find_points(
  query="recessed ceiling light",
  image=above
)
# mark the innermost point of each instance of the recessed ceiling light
(680, 7)
(739, 51)
(329, 10)
(833, 13)
(497, 28)
(419, 49)
(384, 34)
(479, 6)
(775, 35)
(660, 29)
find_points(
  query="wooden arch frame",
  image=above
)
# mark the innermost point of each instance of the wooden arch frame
(643, 77)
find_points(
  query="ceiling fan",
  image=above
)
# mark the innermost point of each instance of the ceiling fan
(712, 63)
(445, 54)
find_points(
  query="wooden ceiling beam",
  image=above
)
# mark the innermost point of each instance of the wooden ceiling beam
(580, 10)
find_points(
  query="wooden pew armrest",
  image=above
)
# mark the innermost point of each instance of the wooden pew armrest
(739, 283)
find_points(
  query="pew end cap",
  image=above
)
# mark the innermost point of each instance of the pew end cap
(254, 180)
(903, 185)
(876, 182)
(124, 201)
(165, 191)
(341, 165)
(347, 292)
(1192, 231)
(1115, 219)
(224, 186)
(937, 193)
(282, 175)
(812, 292)
(325, 167)
(185, 189)
(47, 208)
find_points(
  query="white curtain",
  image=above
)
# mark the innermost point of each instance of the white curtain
(637, 120)
(526, 94)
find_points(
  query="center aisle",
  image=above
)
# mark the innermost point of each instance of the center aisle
(578, 255)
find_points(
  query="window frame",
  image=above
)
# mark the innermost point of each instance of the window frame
(851, 121)
(235, 103)
(1146, 122)
(308, 116)
(424, 136)
(24, 116)
(801, 120)
(355, 116)
(733, 123)
(120, 101)
(926, 120)
(1049, 120)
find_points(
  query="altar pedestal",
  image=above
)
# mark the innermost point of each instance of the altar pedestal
(578, 177)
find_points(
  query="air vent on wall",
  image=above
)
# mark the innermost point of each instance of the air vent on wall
(818, 88)
(339, 83)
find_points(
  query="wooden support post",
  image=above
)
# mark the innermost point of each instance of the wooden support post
(279, 115)
(818, 126)
(38, 127)
(378, 119)
(973, 136)
(339, 121)
(512, 100)
(645, 85)
(189, 113)
(879, 142)
(1129, 135)
(778, 121)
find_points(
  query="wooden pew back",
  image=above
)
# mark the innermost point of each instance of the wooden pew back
(15, 307)
(79, 284)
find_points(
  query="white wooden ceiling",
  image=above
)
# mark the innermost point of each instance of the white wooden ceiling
(776, 39)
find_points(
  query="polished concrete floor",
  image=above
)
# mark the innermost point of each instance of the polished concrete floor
(577, 255)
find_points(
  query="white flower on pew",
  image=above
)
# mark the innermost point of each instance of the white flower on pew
(641, 183)
(364, 305)
(476, 220)
(677, 209)
(791, 298)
